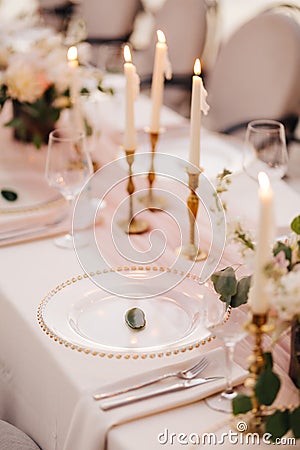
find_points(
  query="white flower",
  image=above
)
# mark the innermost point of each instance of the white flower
(25, 79)
(58, 71)
(285, 295)
(12, 11)
(238, 234)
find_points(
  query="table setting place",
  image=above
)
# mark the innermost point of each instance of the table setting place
(150, 288)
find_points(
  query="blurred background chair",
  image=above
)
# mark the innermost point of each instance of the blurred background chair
(256, 73)
(11, 438)
(108, 24)
(108, 20)
(184, 24)
(57, 13)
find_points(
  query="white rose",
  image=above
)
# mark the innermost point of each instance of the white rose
(58, 70)
(25, 81)
(285, 295)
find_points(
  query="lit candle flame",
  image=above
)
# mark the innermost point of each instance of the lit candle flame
(161, 37)
(72, 54)
(197, 67)
(264, 181)
(127, 54)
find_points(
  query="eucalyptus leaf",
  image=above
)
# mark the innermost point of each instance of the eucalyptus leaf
(267, 387)
(295, 225)
(241, 404)
(37, 140)
(88, 127)
(242, 292)
(15, 122)
(225, 282)
(268, 360)
(226, 300)
(295, 422)
(278, 424)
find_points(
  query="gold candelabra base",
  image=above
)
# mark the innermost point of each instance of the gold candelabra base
(191, 251)
(132, 225)
(257, 326)
(135, 226)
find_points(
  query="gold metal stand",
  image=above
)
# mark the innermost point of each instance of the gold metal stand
(192, 251)
(132, 225)
(257, 327)
(154, 203)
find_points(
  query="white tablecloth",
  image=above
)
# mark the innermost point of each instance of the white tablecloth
(45, 388)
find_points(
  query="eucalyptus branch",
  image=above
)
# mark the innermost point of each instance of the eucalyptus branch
(222, 183)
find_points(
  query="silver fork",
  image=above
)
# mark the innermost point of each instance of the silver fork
(25, 230)
(186, 374)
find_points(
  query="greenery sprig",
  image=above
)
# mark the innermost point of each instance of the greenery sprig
(265, 391)
(235, 292)
(223, 181)
(232, 291)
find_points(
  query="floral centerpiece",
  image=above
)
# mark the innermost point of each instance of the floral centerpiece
(283, 270)
(283, 285)
(40, 84)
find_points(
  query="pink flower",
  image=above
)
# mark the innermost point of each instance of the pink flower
(280, 261)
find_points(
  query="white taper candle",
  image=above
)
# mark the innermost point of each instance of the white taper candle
(259, 298)
(158, 79)
(194, 156)
(130, 95)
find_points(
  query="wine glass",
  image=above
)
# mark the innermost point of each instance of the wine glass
(265, 149)
(229, 329)
(68, 167)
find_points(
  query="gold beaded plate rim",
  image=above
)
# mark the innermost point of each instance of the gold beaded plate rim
(187, 347)
(52, 203)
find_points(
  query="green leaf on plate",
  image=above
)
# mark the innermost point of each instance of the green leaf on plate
(241, 404)
(267, 387)
(135, 318)
(278, 424)
(9, 195)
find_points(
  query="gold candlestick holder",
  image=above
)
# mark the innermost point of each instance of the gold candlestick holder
(258, 326)
(151, 201)
(191, 251)
(132, 225)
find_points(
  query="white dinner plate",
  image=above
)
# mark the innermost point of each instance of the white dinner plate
(80, 315)
(33, 192)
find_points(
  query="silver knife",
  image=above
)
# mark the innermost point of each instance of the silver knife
(24, 231)
(117, 402)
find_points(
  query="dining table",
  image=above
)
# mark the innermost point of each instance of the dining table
(47, 378)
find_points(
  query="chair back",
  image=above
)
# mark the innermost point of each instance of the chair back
(257, 72)
(108, 20)
(184, 25)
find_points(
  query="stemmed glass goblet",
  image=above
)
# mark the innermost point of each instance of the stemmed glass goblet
(265, 149)
(68, 167)
(230, 331)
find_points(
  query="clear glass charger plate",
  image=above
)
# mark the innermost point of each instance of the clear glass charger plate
(84, 317)
(34, 194)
